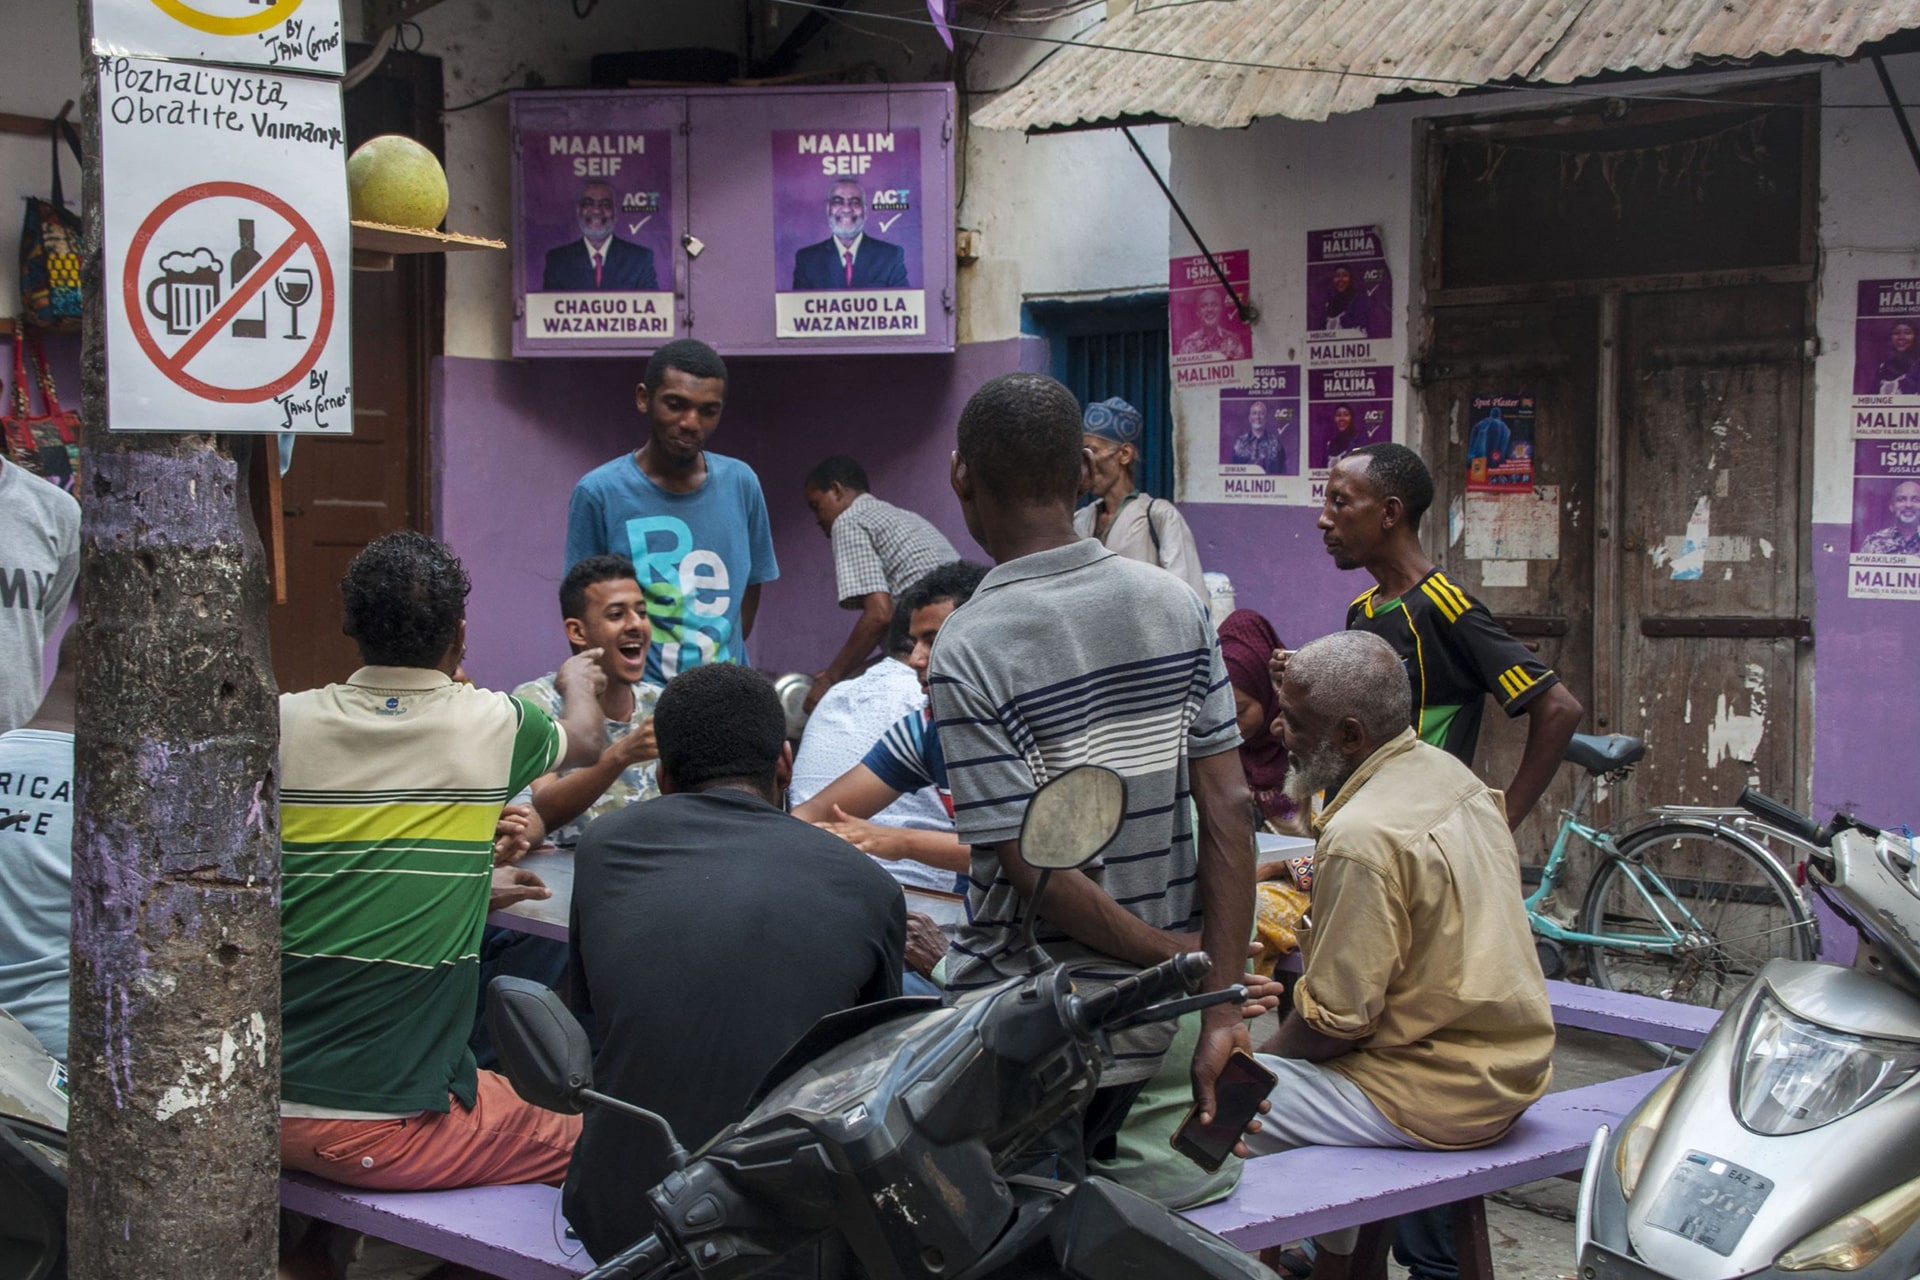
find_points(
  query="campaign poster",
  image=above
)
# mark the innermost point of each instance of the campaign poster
(1886, 354)
(1884, 559)
(1349, 302)
(596, 228)
(1500, 444)
(1347, 408)
(1211, 344)
(1260, 434)
(847, 234)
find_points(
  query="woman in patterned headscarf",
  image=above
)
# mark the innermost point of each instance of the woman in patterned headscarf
(1126, 521)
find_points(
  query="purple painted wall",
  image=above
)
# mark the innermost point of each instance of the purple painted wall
(1866, 653)
(513, 437)
(1278, 565)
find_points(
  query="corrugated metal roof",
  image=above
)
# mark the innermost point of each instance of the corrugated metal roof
(1424, 46)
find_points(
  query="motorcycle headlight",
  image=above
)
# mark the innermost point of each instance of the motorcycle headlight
(1796, 1075)
(1856, 1240)
(1636, 1139)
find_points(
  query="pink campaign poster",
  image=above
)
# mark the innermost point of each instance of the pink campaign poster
(847, 256)
(597, 233)
(1347, 408)
(1211, 344)
(1260, 434)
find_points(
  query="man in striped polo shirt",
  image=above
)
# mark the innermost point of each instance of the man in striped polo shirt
(1069, 654)
(391, 785)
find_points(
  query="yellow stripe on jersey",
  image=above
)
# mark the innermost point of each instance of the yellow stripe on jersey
(388, 823)
(1365, 598)
(1459, 597)
(1515, 681)
(1442, 601)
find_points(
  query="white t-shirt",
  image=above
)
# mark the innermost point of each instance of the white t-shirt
(39, 560)
(36, 887)
(849, 719)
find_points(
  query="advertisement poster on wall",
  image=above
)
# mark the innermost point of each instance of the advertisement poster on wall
(1884, 559)
(1211, 344)
(1886, 342)
(597, 234)
(1500, 444)
(847, 255)
(1349, 303)
(1260, 435)
(1346, 408)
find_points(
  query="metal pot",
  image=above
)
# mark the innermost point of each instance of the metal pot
(793, 689)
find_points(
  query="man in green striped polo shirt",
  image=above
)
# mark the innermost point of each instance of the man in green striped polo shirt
(391, 785)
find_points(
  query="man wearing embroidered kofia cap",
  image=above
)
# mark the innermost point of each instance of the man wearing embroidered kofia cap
(1125, 520)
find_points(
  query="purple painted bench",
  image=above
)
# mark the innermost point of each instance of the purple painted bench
(1296, 1194)
(515, 1232)
(511, 1232)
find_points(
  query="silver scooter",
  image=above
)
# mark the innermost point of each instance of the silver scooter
(1789, 1145)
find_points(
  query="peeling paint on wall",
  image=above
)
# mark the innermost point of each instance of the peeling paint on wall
(1736, 735)
(198, 1081)
(1691, 559)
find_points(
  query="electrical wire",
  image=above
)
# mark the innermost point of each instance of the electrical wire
(1398, 78)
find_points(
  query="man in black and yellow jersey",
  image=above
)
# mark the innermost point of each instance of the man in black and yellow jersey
(1454, 651)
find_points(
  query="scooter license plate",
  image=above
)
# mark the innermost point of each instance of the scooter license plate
(1709, 1201)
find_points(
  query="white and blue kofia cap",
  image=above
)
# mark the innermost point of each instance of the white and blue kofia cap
(1114, 420)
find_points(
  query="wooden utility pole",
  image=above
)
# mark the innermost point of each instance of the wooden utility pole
(175, 1041)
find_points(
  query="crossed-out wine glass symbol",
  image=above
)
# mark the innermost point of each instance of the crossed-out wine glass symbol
(295, 286)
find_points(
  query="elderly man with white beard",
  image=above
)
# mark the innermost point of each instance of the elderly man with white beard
(1421, 1019)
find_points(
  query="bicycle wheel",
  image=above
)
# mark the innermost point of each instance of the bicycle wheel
(1729, 898)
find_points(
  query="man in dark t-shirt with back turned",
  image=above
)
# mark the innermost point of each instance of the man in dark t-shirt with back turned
(673, 901)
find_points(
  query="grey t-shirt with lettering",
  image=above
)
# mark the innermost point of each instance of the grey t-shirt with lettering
(39, 561)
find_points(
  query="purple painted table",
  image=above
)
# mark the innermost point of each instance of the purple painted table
(515, 1233)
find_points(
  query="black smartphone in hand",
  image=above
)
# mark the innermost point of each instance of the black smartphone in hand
(1237, 1095)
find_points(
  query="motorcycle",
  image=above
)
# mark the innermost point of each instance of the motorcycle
(33, 1158)
(898, 1129)
(1785, 1145)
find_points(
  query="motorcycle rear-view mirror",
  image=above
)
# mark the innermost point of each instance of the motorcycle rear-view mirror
(542, 1049)
(545, 1055)
(1072, 818)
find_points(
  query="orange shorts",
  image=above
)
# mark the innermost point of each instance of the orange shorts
(501, 1139)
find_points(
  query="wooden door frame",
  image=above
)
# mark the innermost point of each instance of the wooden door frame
(423, 276)
(1428, 194)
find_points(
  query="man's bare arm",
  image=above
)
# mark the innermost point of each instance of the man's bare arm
(1295, 1039)
(858, 791)
(935, 848)
(1552, 717)
(876, 611)
(1225, 847)
(749, 610)
(579, 682)
(560, 798)
(1081, 909)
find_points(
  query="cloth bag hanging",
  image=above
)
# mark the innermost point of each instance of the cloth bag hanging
(50, 248)
(47, 444)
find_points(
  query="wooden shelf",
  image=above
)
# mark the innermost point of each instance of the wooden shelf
(31, 126)
(376, 244)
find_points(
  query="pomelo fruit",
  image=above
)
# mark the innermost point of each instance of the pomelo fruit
(395, 180)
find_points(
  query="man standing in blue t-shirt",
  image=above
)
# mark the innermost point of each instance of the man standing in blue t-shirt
(693, 523)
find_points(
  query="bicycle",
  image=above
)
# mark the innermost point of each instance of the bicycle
(1687, 902)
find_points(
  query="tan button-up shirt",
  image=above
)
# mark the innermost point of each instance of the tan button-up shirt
(1420, 951)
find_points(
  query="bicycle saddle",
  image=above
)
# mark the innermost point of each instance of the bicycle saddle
(1597, 754)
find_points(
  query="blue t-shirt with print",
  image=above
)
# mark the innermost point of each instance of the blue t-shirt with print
(696, 553)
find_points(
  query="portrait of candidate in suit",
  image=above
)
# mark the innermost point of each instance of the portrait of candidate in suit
(598, 259)
(849, 258)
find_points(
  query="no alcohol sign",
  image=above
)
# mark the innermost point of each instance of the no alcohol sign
(286, 35)
(227, 250)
